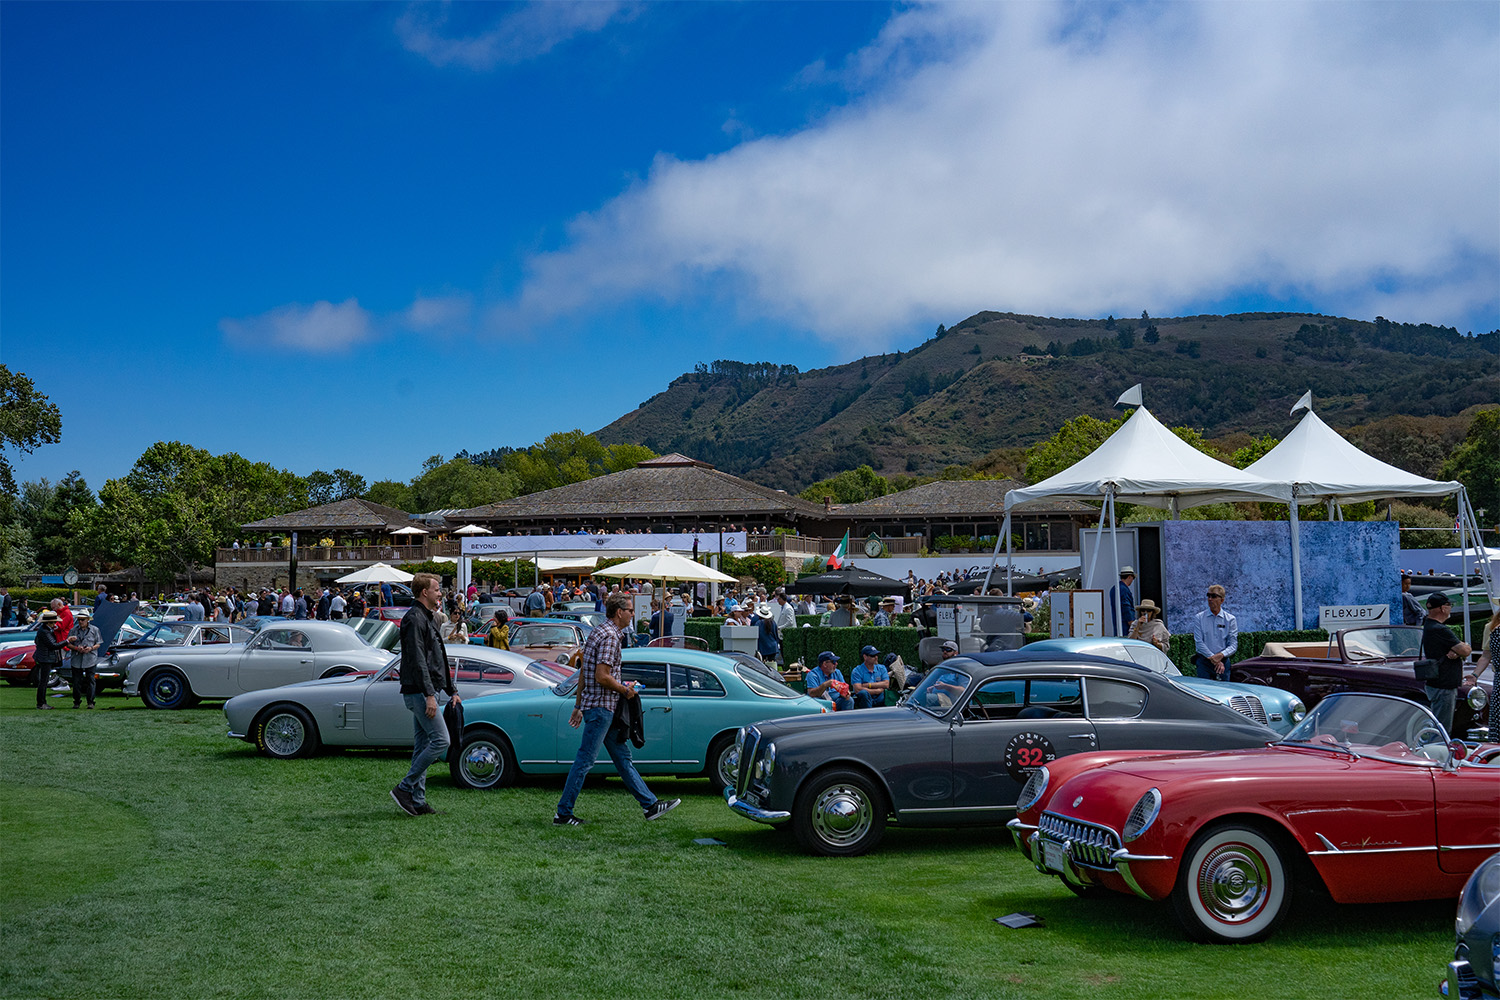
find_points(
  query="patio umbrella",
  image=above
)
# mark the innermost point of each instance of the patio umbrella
(851, 580)
(378, 573)
(471, 529)
(666, 565)
(410, 530)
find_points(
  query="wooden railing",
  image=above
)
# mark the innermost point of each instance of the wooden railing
(353, 554)
(802, 545)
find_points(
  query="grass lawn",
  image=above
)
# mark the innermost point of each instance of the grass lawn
(146, 855)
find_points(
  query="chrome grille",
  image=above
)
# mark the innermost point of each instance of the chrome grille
(747, 757)
(1249, 705)
(1089, 845)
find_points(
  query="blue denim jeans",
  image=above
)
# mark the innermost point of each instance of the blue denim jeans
(1442, 701)
(865, 699)
(1206, 668)
(430, 743)
(596, 732)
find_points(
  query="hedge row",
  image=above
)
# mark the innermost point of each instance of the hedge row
(1249, 644)
(37, 596)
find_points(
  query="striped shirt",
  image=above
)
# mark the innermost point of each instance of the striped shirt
(602, 646)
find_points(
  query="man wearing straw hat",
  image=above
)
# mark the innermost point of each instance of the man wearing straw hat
(84, 642)
(48, 655)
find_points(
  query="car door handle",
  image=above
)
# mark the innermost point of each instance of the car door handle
(304, 661)
(660, 709)
(1081, 736)
(533, 715)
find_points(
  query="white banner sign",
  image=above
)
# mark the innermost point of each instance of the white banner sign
(1077, 613)
(1333, 617)
(520, 545)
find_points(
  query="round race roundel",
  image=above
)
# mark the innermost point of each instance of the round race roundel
(1026, 752)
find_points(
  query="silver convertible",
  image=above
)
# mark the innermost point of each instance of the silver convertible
(281, 653)
(364, 711)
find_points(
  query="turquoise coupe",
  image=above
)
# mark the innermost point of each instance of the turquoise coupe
(693, 703)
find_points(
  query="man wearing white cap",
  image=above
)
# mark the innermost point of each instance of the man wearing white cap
(84, 642)
(1124, 611)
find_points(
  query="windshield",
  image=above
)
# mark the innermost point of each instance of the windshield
(1382, 643)
(1372, 725)
(543, 635)
(763, 685)
(552, 673)
(942, 686)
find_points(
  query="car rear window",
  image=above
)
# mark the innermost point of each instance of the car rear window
(766, 687)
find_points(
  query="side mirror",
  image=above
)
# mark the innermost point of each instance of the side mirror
(1458, 749)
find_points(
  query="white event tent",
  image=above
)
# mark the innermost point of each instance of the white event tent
(1145, 463)
(1320, 466)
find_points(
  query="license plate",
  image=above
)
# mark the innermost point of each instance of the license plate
(1052, 855)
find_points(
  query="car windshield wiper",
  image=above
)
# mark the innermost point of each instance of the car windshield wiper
(1336, 747)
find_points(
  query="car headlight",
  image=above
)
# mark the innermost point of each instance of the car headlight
(1034, 789)
(1481, 891)
(1142, 815)
(1477, 698)
(1296, 711)
(15, 661)
(767, 762)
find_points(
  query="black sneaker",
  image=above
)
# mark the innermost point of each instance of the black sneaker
(566, 821)
(661, 807)
(425, 809)
(404, 800)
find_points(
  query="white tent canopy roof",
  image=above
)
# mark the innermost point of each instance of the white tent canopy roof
(1323, 466)
(1146, 463)
(666, 565)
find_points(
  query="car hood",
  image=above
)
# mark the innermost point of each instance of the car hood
(848, 724)
(1261, 762)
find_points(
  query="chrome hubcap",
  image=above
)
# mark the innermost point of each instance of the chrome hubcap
(1233, 883)
(284, 734)
(728, 764)
(842, 815)
(482, 764)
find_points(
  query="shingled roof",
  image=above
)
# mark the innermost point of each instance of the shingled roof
(953, 498)
(341, 515)
(672, 486)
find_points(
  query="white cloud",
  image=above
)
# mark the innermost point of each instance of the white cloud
(1074, 160)
(319, 328)
(526, 32)
(440, 314)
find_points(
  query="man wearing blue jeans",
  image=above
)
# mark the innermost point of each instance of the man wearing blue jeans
(600, 692)
(426, 686)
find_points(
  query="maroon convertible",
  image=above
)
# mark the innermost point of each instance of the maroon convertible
(1375, 658)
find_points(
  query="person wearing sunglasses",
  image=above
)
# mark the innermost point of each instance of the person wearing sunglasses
(1215, 637)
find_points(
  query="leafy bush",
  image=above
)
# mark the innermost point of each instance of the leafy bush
(767, 571)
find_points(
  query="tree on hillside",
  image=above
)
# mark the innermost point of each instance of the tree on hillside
(850, 486)
(330, 487)
(1253, 452)
(28, 420)
(1476, 463)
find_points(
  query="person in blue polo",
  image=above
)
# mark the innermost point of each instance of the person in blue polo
(820, 681)
(870, 680)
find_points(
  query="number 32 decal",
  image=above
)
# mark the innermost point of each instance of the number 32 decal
(1026, 752)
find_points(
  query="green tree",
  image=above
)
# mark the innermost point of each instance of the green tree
(45, 509)
(1078, 438)
(390, 493)
(850, 486)
(28, 420)
(330, 487)
(1476, 462)
(460, 484)
(1253, 452)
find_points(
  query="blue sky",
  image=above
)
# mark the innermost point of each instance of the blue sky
(418, 229)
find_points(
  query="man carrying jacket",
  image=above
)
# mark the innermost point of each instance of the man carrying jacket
(600, 692)
(426, 686)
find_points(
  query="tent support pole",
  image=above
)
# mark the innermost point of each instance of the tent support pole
(1098, 541)
(995, 556)
(1117, 612)
(1463, 546)
(1296, 563)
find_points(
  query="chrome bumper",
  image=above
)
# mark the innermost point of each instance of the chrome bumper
(748, 811)
(237, 736)
(1021, 833)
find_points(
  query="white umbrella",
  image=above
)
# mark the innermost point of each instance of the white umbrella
(410, 530)
(666, 565)
(378, 573)
(471, 529)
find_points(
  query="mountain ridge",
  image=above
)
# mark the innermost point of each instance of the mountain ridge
(1005, 380)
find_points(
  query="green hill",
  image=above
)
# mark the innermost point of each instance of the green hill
(1000, 380)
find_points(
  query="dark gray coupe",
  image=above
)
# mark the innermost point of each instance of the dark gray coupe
(957, 750)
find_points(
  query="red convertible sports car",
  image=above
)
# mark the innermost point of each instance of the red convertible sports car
(1367, 797)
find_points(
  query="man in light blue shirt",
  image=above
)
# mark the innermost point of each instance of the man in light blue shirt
(1215, 637)
(871, 679)
(820, 680)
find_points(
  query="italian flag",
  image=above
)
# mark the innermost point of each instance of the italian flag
(836, 561)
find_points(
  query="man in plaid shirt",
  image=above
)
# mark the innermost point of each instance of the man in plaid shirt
(599, 693)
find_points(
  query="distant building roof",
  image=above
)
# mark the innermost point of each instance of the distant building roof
(953, 498)
(672, 486)
(341, 515)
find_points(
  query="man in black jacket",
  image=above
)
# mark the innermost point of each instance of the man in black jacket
(426, 685)
(48, 655)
